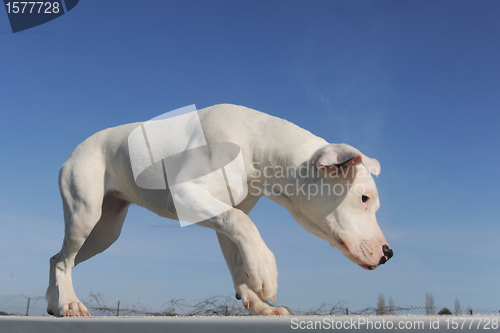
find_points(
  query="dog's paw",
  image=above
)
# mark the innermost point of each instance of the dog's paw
(262, 274)
(272, 311)
(253, 303)
(73, 309)
(259, 308)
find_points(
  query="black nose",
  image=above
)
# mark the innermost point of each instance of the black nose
(387, 251)
(387, 254)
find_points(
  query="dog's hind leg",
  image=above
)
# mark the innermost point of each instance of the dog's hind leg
(81, 182)
(107, 230)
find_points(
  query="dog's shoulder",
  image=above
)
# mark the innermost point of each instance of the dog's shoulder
(231, 111)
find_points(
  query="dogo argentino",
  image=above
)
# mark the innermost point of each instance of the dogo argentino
(328, 188)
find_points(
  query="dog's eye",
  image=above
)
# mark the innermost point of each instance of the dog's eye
(364, 198)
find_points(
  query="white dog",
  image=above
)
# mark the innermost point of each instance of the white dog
(326, 187)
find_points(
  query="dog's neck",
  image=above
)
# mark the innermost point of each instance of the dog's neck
(284, 162)
(284, 144)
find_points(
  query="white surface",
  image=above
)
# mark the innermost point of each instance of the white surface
(244, 324)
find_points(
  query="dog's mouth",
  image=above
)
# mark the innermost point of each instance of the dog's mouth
(365, 262)
(367, 267)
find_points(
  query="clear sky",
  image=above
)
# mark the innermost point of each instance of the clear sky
(415, 84)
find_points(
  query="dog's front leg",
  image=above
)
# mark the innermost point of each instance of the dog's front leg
(194, 201)
(258, 261)
(236, 266)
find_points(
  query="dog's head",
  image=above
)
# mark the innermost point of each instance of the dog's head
(340, 204)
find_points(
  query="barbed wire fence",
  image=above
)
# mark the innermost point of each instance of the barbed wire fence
(22, 305)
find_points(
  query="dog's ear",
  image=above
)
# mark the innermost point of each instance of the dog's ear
(337, 155)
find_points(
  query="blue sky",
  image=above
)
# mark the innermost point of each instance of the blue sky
(413, 84)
